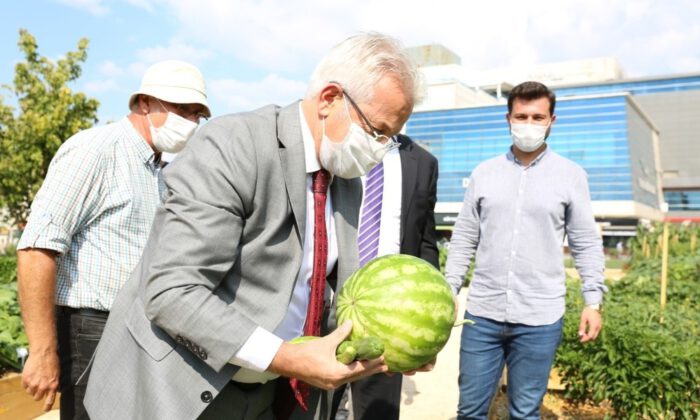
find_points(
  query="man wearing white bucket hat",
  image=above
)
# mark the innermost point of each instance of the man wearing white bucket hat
(89, 224)
(171, 102)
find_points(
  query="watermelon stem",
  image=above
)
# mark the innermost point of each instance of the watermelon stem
(464, 321)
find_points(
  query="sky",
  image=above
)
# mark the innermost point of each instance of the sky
(256, 52)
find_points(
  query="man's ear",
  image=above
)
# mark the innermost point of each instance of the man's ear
(328, 98)
(508, 120)
(554, 118)
(143, 104)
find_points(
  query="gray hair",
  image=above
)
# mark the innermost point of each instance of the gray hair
(361, 61)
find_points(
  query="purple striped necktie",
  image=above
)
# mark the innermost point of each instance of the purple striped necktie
(370, 218)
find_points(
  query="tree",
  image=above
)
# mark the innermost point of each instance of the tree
(49, 112)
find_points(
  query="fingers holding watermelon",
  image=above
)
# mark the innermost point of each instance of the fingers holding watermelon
(314, 361)
(398, 306)
(425, 368)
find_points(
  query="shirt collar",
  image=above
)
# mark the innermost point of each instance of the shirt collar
(140, 145)
(310, 157)
(511, 156)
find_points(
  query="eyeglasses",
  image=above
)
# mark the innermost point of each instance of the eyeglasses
(381, 138)
(186, 111)
(189, 110)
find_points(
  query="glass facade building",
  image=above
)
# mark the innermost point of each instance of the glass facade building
(682, 201)
(593, 132)
(637, 139)
(639, 87)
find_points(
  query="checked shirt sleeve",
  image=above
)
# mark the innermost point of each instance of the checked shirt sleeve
(67, 200)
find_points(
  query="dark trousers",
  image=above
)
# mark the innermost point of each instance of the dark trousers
(238, 401)
(79, 331)
(375, 398)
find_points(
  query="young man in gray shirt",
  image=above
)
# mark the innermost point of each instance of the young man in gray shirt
(517, 209)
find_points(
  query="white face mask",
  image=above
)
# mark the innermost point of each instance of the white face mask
(528, 137)
(172, 136)
(355, 155)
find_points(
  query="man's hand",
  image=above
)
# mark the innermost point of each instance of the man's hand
(40, 377)
(36, 284)
(425, 368)
(314, 362)
(590, 326)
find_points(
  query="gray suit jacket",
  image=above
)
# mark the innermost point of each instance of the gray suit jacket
(222, 258)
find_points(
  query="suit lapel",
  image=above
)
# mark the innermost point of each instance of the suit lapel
(409, 172)
(291, 151)
(346, 195)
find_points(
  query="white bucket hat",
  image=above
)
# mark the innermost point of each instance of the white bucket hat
(174, 81)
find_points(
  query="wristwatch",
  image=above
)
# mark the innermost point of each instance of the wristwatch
(595, 306)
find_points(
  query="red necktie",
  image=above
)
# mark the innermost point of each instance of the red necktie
(318, 275)
(300, 390)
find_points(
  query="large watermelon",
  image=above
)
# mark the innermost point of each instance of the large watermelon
(403, 301)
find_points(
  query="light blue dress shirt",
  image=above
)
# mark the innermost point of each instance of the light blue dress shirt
(515, 218)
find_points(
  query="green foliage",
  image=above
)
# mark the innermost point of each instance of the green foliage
(11, 329)
(49, 113)
(8, 270)
(644, 367)
(683, 240)
(12, 334)
(442, 255)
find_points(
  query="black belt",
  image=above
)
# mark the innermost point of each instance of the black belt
(246, 386)
(67, 310)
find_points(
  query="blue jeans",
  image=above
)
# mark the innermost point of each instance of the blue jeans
(489, 345)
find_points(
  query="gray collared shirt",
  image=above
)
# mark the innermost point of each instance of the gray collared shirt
(514, 218)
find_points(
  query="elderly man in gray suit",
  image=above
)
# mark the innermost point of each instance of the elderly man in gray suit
(243, 247)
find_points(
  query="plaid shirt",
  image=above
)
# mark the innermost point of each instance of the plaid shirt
(95, 208)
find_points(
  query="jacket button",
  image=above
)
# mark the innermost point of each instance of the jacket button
(206, 397)
(203, 355)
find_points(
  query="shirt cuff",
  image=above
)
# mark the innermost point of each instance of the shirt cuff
(454, 286)
(258, 351)
(592, 297)
(41, 232)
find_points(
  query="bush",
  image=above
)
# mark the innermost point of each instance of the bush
(11, 329)
(8, 269)
(12, 334)
(644, 368)
(682, 240)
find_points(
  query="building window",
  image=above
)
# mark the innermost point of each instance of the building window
(683, 200)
